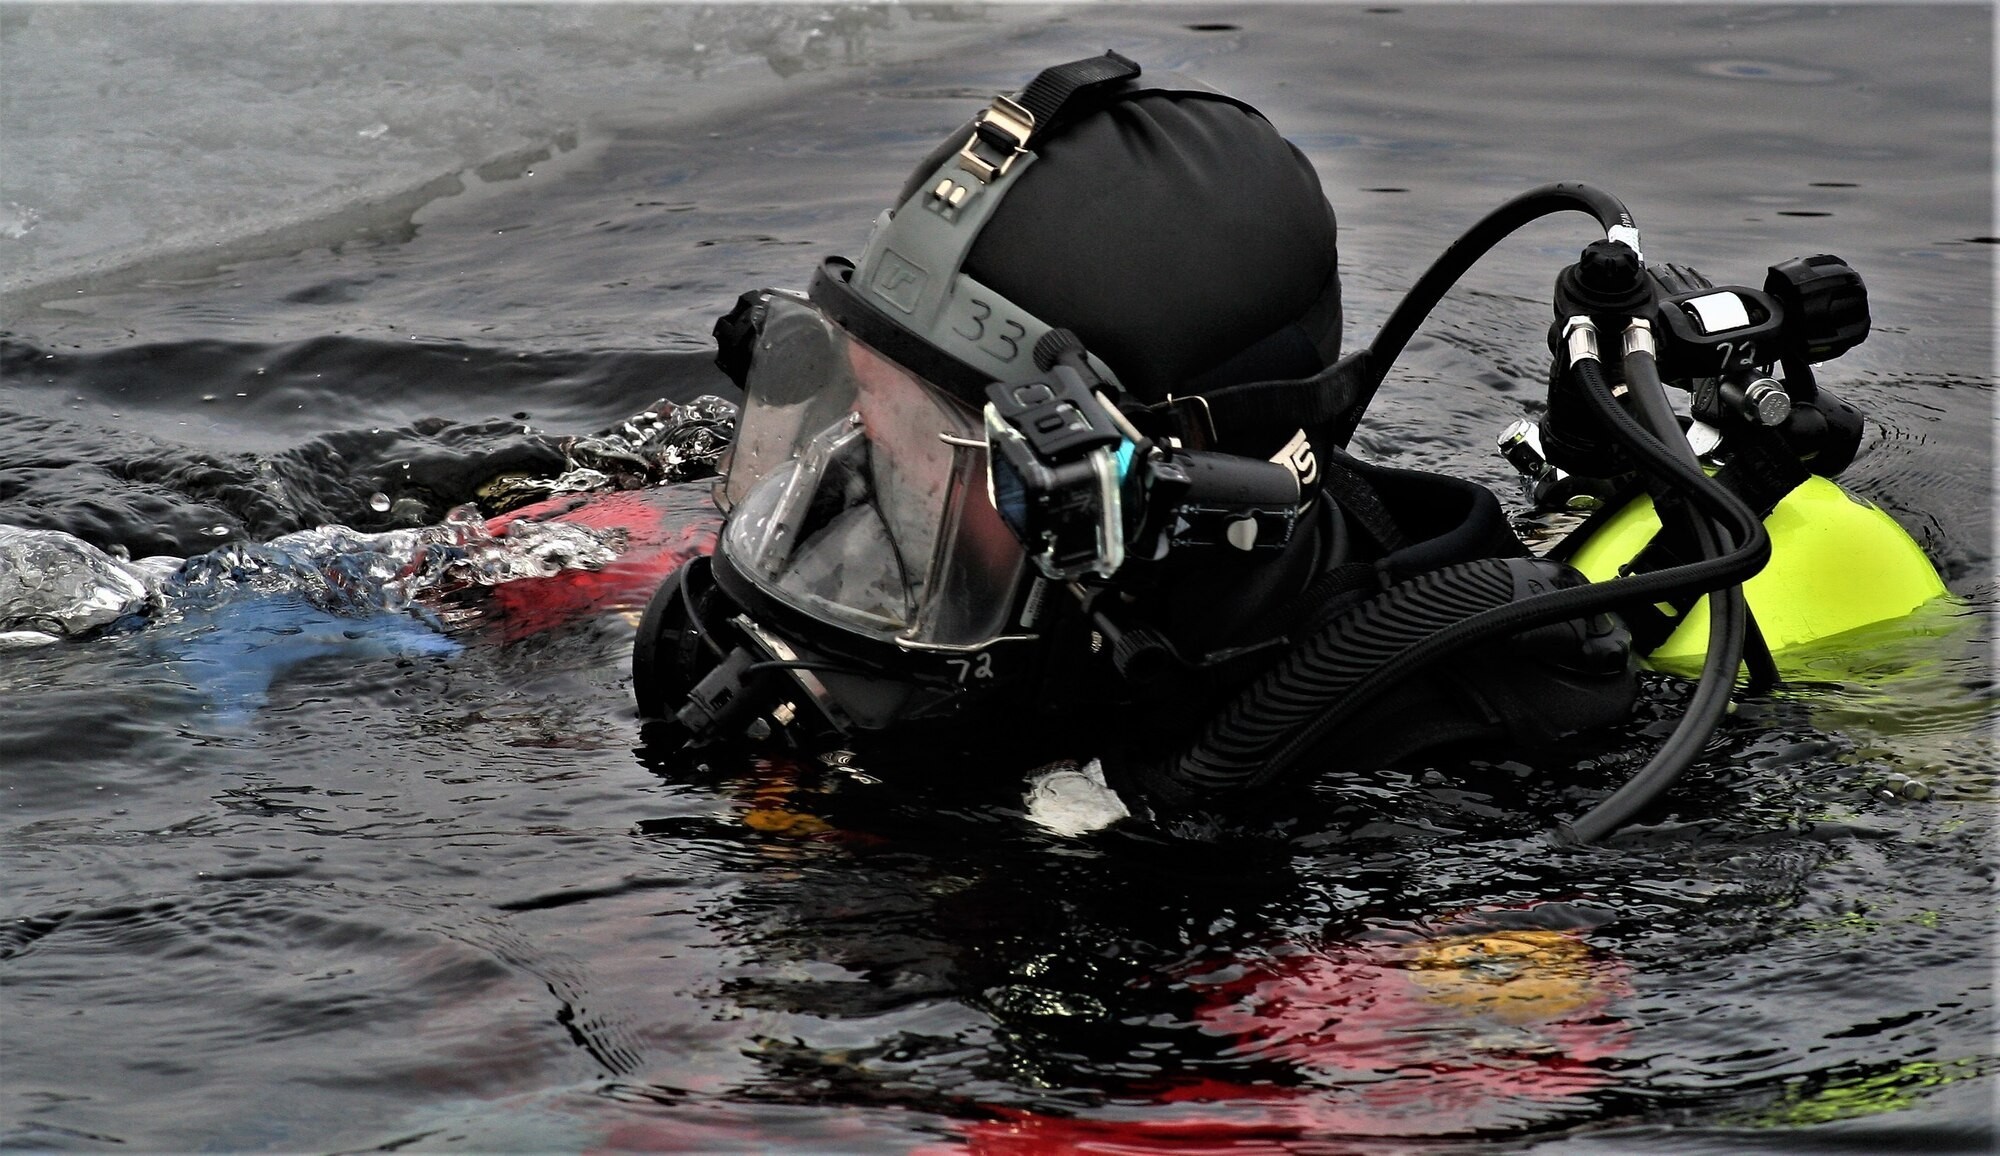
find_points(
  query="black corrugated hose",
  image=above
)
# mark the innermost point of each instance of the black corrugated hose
(1313, 689)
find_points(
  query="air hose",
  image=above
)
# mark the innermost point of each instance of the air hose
(1266, 732)
(1496, 226)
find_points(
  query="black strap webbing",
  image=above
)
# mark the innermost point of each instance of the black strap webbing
(1264, 409)
(1057, 85)
(1359, 501)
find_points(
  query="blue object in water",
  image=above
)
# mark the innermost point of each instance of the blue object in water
(245, 615)
(233, 652)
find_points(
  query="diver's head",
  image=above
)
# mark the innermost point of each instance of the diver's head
(864, 575)
(1170, 228)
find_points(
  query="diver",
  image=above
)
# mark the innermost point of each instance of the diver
(1058, 467)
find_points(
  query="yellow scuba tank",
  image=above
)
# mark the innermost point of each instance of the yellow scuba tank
(1838, 563)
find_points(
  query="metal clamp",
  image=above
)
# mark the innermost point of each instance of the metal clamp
(999, 134)
(1627, 235)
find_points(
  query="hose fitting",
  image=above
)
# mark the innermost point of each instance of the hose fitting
(1639, 338)
(1580, 337)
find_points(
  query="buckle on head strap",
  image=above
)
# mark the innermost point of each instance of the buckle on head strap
(999, 134)
(1009, 125)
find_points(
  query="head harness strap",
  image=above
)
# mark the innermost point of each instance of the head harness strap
(911, 269)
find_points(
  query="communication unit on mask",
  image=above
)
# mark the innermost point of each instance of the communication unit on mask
(1057, 468)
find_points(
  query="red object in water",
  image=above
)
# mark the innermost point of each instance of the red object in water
(658, 530)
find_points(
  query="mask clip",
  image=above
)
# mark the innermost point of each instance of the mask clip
(999, 134)
(1188, 420)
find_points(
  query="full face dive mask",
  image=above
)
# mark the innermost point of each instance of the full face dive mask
(860, 546)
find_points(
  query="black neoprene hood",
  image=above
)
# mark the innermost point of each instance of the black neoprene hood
(1187, 243)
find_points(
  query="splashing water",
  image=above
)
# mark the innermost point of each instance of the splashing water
(665, 443)
(57, 587)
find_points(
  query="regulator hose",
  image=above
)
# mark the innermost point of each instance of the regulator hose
(1234, 753)
(1542, 201)
(1728, 613)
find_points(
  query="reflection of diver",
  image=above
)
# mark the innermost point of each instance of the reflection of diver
(1057, 999)
(1059, 464)
(1479, 1022)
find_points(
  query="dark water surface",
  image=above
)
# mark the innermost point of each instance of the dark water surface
(409, 899)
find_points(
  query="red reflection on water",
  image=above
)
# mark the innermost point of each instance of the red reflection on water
(1447, 1035)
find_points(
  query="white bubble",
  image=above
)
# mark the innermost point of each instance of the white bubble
(16, 220)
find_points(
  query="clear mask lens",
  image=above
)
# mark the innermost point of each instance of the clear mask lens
(857, 492)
